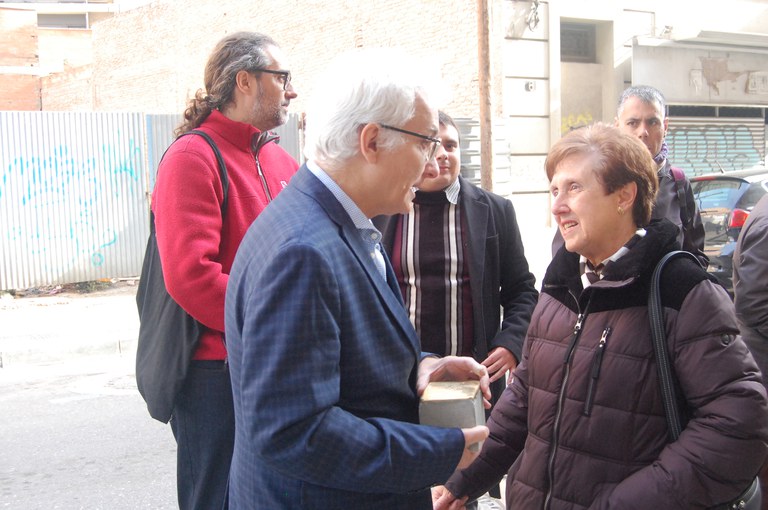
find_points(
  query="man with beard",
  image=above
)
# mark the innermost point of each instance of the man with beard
(247, 92)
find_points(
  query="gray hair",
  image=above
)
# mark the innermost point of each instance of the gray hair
(646, 94)
(362, 87)
(241, 51)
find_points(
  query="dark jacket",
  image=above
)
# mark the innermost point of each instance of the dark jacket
(585, 416)
(750, 274)
(498, 271)
(668, 205)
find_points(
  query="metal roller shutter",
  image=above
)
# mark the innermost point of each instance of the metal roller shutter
(701, 145)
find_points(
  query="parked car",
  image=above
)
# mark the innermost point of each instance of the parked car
(725, 201)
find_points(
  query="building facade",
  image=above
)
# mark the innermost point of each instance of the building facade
(518, 73)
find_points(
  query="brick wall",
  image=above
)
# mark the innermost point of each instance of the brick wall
(19, 38)
(18, 56)
(20, 92)
(152, 58)
(69, 90)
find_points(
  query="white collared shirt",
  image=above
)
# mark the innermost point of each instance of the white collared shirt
(369, 233)
(452, 192)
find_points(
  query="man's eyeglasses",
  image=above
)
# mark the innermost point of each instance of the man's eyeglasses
(285, 76)
(432, 148)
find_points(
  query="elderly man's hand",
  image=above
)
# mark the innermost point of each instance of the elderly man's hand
(453, 368)
(442, 499)
(472, 436)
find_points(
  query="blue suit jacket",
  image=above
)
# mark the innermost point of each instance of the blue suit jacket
(323, 362)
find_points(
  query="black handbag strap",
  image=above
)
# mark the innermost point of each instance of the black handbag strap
(168, 335)
(751, 497)
(664, 367)
(222, 167)
(222, 173)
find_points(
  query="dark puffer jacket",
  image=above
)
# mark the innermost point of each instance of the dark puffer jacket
(584, 411)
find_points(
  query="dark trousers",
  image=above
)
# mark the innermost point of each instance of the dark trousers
(203, 424)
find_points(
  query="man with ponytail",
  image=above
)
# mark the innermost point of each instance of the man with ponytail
(247, 92)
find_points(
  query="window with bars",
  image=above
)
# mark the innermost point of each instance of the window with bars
(578, 43)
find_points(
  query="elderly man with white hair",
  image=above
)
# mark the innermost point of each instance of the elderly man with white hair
(326, 367)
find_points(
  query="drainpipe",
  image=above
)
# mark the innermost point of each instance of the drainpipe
(484, 89)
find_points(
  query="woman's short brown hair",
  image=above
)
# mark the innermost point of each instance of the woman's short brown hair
(617, 159)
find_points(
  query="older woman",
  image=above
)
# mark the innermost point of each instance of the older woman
(582, 424)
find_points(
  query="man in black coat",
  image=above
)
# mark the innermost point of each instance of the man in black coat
(642, 112)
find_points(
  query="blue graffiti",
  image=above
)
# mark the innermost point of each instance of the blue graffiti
(62, 202)
(714, 149)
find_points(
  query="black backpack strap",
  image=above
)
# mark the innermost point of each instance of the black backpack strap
(222, 167)
(168, 335)
(679, 177)
(222, 173)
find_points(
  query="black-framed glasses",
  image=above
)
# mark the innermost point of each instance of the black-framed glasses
(285, 76)
(432, 149)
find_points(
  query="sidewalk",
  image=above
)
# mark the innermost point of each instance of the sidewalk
(60, 327)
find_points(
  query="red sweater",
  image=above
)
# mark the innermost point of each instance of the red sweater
(196, 245)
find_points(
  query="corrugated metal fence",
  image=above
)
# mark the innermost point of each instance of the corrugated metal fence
(74, 192)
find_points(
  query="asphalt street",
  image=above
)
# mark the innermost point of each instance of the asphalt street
(75, 431)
